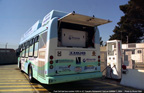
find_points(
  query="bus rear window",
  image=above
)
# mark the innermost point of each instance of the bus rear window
(73, 35)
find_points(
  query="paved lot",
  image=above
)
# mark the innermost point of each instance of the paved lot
(14, 81)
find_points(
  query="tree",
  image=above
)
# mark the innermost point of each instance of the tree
(131, 25)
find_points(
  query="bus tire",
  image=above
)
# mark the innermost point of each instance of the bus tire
(30, 74)
(20, 66)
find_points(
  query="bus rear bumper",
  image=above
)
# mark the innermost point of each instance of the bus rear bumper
(74, 77)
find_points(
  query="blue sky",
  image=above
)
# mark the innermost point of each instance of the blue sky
(17, 16)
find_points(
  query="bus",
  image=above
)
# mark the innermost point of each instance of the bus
(63, 47)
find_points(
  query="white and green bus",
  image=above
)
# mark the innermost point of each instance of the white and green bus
(61, 48)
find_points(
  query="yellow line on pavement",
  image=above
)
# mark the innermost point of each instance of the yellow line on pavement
(10, 74)
(7, 69)
(7, 72)
(12, 78)
(12, 90)
(16, 83)
(20, 86)
(15, 80)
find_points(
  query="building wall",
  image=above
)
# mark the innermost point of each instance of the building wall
(7, 56)
(135, 65)
(133, 55)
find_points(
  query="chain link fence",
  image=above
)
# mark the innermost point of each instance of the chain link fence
(8, 46)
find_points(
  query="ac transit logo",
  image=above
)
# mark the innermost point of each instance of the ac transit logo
(78, 60)
(77, 53)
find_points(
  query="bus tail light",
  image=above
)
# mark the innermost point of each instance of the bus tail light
(51, 66)
(51, 57)
(51, 62)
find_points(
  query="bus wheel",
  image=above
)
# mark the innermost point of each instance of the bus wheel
(30, 74)
(20, 66)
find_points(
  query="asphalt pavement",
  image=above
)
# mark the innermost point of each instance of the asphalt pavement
(12, 80)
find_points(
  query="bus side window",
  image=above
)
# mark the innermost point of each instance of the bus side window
(36, 47)
(20, 52)
(23, 53)
(26, 55)
(31, 48)
(27, 49)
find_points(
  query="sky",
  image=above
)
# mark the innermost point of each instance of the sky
(17, 16)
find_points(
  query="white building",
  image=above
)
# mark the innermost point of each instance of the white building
(133, 55)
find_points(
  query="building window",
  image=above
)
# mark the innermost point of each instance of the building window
(139, 51)
(133, 51)
(131, 45)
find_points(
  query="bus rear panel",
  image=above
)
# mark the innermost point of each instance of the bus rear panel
(77, 55)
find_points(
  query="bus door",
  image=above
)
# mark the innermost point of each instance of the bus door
(42, 53)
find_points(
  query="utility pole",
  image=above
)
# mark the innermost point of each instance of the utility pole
(127, 39)
(6, 45)
(121, 36)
